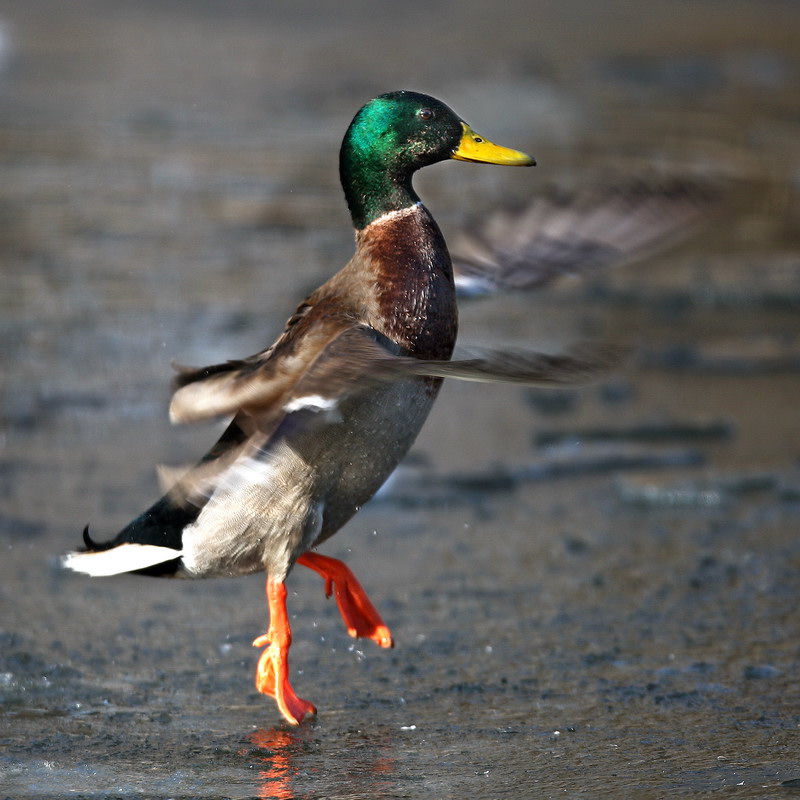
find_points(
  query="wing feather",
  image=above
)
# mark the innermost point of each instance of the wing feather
(559, 234)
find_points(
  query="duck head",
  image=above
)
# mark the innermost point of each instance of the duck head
(393, 136)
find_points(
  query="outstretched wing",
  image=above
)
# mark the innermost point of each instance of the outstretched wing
(271, 384)
(359, 357)
(580, 365)
(572, 234)
(295, 384)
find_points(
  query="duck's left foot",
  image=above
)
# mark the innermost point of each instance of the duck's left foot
(272, 673)
(358, 613)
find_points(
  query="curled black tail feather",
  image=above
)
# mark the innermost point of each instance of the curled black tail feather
(93, 546)
(161, 525)
(164, 569)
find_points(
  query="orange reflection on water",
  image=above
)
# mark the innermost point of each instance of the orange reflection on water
(274, 782)
(366, 764)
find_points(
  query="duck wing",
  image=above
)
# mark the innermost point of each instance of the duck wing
(358, 357)
(577, 233)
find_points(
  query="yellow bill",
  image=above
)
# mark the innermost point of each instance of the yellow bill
(474, 147)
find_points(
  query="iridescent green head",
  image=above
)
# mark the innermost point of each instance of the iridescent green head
(394, 135)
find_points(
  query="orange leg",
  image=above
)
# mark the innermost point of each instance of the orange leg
(272, 673)
(357, 611)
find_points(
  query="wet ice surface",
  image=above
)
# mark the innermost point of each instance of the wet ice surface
(593, 593)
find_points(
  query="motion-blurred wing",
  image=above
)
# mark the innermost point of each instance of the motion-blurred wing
(559, 234)
(262, 398)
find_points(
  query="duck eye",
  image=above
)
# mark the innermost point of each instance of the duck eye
(425, 113)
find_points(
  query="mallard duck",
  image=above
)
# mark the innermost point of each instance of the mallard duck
(323, 416)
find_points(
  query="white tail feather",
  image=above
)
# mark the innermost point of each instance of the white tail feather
(123, 558)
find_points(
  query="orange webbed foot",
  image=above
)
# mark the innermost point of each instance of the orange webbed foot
(359, 615)
(272, 673)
